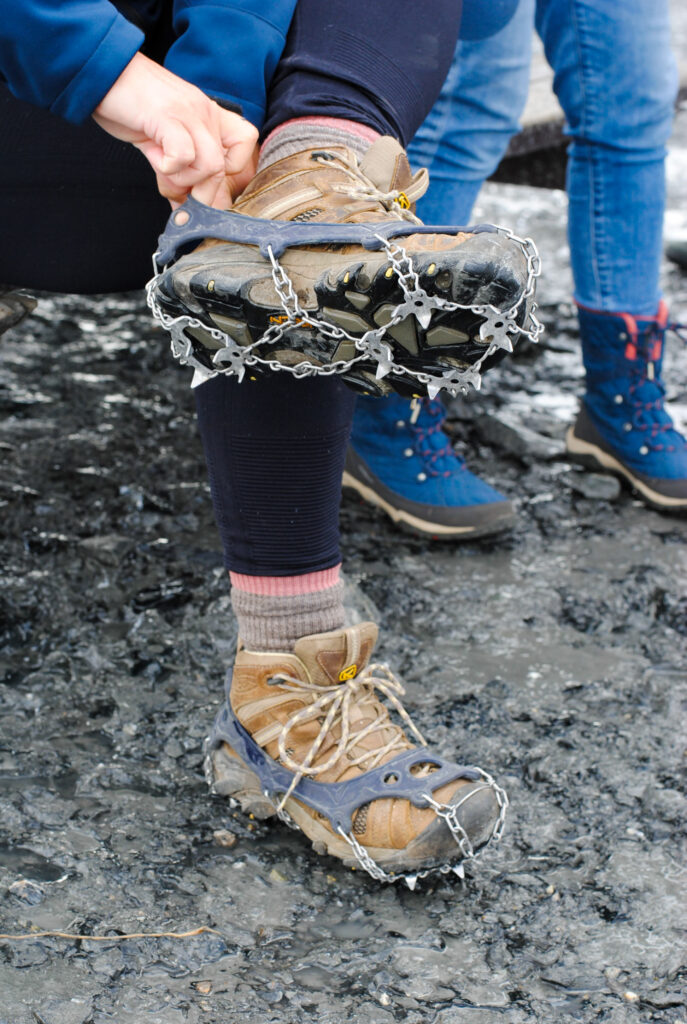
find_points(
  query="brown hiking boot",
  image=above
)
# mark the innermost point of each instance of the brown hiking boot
(306, 734)
(439, 305)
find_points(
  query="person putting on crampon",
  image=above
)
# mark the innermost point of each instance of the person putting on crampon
(320, 278)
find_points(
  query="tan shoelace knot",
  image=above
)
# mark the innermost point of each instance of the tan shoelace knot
(334, 702)
(396, 201)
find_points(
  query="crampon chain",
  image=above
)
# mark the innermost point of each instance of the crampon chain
(232, 359)
(450, 816)
(448, 813)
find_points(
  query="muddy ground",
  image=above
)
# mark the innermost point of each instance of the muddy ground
(556, 657)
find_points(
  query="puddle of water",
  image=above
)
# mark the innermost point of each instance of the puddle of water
(29, 864)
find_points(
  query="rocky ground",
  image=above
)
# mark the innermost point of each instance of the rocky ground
(556, 657)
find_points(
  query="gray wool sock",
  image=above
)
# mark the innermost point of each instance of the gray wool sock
(309, 134)
(274, 623)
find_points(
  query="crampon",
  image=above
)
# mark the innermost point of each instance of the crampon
(368, 293)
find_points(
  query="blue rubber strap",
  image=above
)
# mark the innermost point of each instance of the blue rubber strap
(339, 801)
(203, 222)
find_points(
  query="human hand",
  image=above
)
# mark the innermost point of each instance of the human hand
(194, 146)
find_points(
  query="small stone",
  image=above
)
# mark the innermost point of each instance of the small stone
(26, 891)
(173, 748)
(276, 876)
(204, 987)
(630, 997)
(385, 999)
(598, 486)
(223, 837)
(550, 890)
(13, 308)
(506, 432)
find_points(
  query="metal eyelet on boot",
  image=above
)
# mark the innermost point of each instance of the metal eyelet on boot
(618, 399)
(409, 453)
(422, 477)
(644, 450)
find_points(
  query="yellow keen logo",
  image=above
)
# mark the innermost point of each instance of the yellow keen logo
(403, 201)
(348, 673)
(283, 319)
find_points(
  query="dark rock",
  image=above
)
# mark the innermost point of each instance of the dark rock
(599, 486)
(507, 433)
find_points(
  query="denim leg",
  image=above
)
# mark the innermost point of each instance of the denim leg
(466, 133)
(616, 80)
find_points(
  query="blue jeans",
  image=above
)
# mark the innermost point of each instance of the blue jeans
(616, 80)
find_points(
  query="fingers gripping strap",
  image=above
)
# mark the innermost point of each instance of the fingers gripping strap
(339, 801)
(193, 222)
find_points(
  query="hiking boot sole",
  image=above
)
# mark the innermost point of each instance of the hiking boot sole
(230, 287)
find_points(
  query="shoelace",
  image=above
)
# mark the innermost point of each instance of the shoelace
(335, 703)
(427, 419)
(644, 350)
(397, 202)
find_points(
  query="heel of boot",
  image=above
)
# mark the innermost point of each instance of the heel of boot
(228, 776)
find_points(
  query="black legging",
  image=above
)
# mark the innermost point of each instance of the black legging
(80, 213)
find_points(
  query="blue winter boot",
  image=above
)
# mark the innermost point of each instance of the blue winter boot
(401, 460)
(623, 426)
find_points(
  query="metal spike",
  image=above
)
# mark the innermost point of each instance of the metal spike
(459, 870)
(433, 390)
(423, 317)
(382, 370)
(199, 377)
(411, 881)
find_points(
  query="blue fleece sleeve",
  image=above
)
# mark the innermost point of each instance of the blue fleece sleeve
(230, 48)
(64, 56)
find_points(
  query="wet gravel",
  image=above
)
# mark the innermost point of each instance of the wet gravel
(556, 657)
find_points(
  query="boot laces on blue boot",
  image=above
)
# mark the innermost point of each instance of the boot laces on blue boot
(623, 426)
(401, 460)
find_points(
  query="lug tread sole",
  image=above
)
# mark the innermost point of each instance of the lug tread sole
(234, 299)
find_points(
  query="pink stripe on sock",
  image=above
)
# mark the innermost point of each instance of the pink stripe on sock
(286, 586)
(339, 123)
